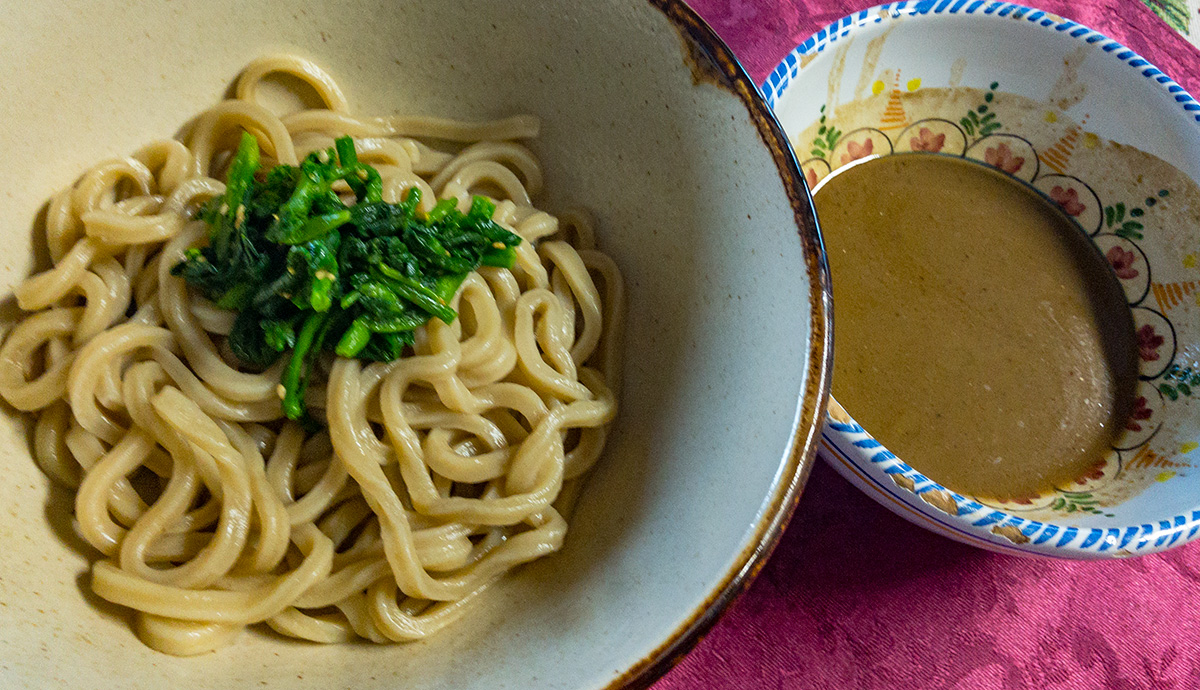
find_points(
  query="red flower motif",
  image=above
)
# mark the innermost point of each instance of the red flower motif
(1002, 157)
(1148, 343)
(855, 150)
(1097, 471)
(926, 141)
(810, 176)
(1122, 263)
(1067, 199)
(1140, 411)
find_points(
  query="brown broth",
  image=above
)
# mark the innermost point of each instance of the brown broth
(980, 336)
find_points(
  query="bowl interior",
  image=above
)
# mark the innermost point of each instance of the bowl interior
(1103, 134)
(689, 200)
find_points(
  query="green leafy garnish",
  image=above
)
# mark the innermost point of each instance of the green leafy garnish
(308, 271)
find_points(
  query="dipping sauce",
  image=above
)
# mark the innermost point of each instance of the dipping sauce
(980, 336)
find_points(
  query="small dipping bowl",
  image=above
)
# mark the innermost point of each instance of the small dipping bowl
(1110, 139)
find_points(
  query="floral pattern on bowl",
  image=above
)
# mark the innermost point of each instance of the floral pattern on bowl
(939, 82)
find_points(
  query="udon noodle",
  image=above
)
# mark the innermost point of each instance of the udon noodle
(434, 475)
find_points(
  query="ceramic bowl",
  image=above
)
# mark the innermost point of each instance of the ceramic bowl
(647, 121)
(1116, 144)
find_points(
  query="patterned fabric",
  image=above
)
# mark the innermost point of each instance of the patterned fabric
(855, 598)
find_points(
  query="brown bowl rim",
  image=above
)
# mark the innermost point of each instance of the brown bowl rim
(713, 62)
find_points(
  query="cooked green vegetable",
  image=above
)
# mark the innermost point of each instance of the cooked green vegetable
(307, 271)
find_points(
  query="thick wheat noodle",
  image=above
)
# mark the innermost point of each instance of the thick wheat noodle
(62, 226)
(485, 174)
(99, 186)
(304, 70)
(516, 127)
(506, 153)
(170, 161)
(437, 473)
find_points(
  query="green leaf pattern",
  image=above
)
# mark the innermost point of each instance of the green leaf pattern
(1078, 502)
(1173, 12)
(827, 137)
(981, 122)
(1179, 381)
(1124, 221)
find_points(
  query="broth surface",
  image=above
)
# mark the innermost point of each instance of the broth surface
(980, 335)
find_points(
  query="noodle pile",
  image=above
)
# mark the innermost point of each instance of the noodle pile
(434, 475)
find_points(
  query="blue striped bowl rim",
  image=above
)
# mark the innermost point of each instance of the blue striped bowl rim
(974, 521)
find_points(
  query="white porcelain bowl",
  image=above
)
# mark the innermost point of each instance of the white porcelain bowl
(648, 122)
(1116, 144)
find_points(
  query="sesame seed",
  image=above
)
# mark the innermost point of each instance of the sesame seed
(281, 391)
(498, 245)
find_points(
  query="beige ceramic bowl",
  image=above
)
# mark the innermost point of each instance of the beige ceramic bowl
(648, 122)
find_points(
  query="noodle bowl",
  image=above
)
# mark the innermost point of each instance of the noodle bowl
(435, 474)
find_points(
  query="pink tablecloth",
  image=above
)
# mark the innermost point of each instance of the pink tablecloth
(856, 598)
